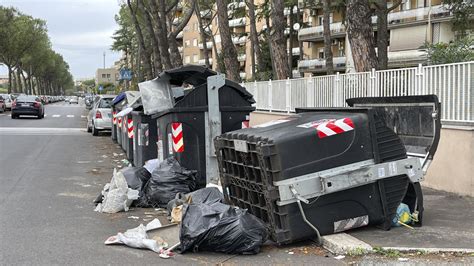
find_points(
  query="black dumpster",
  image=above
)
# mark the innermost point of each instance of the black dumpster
(347, 165)
(130, 137)
(183, 128)
(117, 105)
(145, 138)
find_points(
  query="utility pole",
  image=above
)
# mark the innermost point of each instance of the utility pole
(104, 59)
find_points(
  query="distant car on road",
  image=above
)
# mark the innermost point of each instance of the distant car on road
(74, 99)
(2, 104)
(27, 105)
(8, 100)
(100, 115)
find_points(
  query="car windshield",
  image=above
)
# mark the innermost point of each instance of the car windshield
(24, 98)
(105, 103)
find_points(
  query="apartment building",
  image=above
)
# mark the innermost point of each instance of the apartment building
(107, 75)
(411, 24)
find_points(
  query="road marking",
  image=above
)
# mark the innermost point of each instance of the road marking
(70, 116)
(56, 115)
(41, 131)
(83, 116)
(9, 115)
(45, 115)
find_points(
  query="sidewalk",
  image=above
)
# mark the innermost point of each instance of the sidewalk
(448, 223)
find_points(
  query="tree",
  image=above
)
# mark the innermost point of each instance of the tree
(327, 37)
(278, 40)
(381, 10)
(202, 31)
(229, 52)
(459, 50)
(157, 65)
(256, 52)
(175, 53)
(359, 31)
(463, 19)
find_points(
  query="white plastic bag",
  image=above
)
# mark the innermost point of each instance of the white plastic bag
(118, 197)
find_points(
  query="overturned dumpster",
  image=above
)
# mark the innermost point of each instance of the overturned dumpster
(324, 171)
(192, 105)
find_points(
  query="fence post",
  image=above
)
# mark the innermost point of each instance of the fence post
(336, 90)
(419, 80)
(288, 95)
(309, 92)
(270, 91)
(373, 83)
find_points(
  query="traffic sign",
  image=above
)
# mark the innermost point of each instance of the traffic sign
(101, 88)
(125, 74)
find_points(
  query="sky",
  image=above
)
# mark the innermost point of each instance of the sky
(80, 30)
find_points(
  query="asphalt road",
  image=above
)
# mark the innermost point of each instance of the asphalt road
(50, 172)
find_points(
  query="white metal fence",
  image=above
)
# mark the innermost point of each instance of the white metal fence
(452, 83)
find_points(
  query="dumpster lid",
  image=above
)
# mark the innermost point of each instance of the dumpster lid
(119, 98)
(197, 75)
(415, 119)
(133, 98)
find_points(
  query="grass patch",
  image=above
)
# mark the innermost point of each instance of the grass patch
(390, 253)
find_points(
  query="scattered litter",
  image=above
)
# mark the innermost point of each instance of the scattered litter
(116, 195)
(204, 195)
(403, 216)
(221, 228)
(403, 259)
(339, 257)
(151, 165)
(81, 162)
(115, 154)
(291, 253)
(134, 217)
(95, 170)
(137, 238)
(119, 165)
(136, 177)
(176, 214)
(100, 161)
(105, 156)
(153, 225)
(121, 154)
(125, 162)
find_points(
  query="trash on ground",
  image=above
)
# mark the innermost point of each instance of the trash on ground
(151, 165)
(117, 196)
(291, 253)
(134, 217)
(221, 228)
(403, 259)
(339, 257)
(203, 195)
(136, 177)
(403, 216)
(154, 224)
(115, 154)
(176, 214)
(138, 238)
(168, 179)
(215, 185)
(105, 156)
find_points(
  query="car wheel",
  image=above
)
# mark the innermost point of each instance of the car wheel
(95, 131)
(14, 116)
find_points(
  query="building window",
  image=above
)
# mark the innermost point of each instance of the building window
(195, 42)
(104, 76)
(321, 53)
(187, 59)
(195, 58)
(186, 43)
(405, 5)
(321, 19)
(195, 26)
(108, 75)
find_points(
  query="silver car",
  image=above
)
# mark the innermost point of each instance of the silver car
(100, 115)
(8, 100)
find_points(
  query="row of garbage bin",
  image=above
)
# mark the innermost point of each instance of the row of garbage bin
(170, 116)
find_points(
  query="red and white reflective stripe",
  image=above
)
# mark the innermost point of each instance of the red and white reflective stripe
(245, 124)
(114, 117)
(119, 123)
(334, 127)
(177, 133)
(130, 128)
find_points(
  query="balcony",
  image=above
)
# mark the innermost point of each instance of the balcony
(241, 57)
(238, 22)
(416, 16)
(315, 33)
(239, 40)
(319, 65)
(202, 62)
(236, 4)
(207, 14)
(294, 51)
(208, 45)
(408, 58)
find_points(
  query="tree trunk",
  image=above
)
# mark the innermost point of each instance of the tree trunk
(360, 35)
(278, 40)
(257, 56)
(161, 32)
(176, 58)
(145, 56)
(157, 65)
(18, 80)
(382, 31)
(269, 40)
(290, 44)
(10, 79)
(229, 52)
(203, 35)
(25, 84)
(327, 37)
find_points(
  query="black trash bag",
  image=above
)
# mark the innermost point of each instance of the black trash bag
(168, 179)
(203, 195)
(221, 228)
(136, 177)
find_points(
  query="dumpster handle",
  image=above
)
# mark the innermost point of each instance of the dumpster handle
(298, 201)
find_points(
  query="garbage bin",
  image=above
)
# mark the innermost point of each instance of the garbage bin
(185, 129)
(119, 130)
(128, 134)
(145, 138)
(325, 171)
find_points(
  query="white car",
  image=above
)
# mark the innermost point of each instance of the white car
(74, 99)
(100, 116)
(8, 100)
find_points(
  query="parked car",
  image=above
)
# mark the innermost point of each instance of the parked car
(74, 99)
(8, 100)
(2, 104)
(100, 115)
(27, 105)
